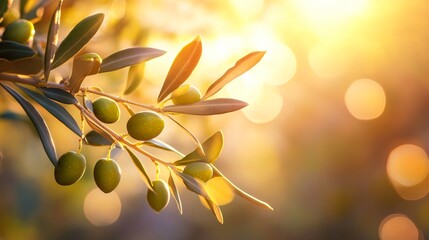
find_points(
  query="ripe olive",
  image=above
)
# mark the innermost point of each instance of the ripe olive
(107, 174)
(159, 198)
(145, 125)
(199, 170)
(70, 168)
(106, 110)
(186, 94)
(20, 31)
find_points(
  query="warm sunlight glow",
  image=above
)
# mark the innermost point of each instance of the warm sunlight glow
(220, 191)
(247, 9)
(365, 99)
(102, 209)
(398, 227)
(408, 165)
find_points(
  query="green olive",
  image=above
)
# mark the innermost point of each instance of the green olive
(20, 31)
(200, 170)
(159, 198)
(106, 110)
(107, 174)
(186, 94)
(71, 167)
(91, 57)
(145, 125)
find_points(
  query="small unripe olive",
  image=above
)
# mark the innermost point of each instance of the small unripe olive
(106, 110)
(145, 125)
(91, 57)
(71, 167)
(186, 94)
(199, 170)
(20, 31)
(107, 174)
(159, 198)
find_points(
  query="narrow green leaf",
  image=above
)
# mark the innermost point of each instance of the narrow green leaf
(55, 109)
(26, 66)
(38, 121)
(4, 7)
(182, 67)
(93, 138)
(23, 7)
(10, 50)
(215, 209)
(135, 77)
(240, 192)
(52, 39)
(208, 107)
(129, 57)
(175, 192)
(161, 145)
(194, 184)
(13, 116)
(212, 149)
(59, 95)
(241, 66)
(77, 39)
(139, 165)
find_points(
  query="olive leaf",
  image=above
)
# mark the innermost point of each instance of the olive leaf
(55, 109)
(208, 107)
(59, 95)
(23, 7)
(77, 39)
(240, 192)
(214, 208)
(135, 76)
(161, 145)
(35, 13)
(139, 165)
(28, 66)
(212, 149)
(52, 39)
(129, 57)
(82, 67)
(39, 123)
(10, 50)
(13, 116)
(93, 138)
(175, 192)
(240, 67)
(193, 184)
(182, 67)
(4, 7)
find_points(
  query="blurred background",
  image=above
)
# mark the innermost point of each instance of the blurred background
(335, 136)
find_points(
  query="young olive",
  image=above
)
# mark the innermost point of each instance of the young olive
(200, 170)
(71, 167)
(106, 110)
(159, 198)
(20, 31)
(107, 174)
(186, 94)
(145, 125)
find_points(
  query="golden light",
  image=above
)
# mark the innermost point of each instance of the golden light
(102, 209)
(247, 9)
(398, 227)
(408, 165)
(220, 191)
(365, 99)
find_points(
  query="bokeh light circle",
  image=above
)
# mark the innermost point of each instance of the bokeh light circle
(398, 227)
(102, 209)
(365, 99)
(408, 165)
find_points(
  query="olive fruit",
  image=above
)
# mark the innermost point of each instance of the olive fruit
(106, 110)
(160, 196)
(20, 31)
(200, 170)
(107, 174)
(186, 94)
(145, 125)
(70, 168)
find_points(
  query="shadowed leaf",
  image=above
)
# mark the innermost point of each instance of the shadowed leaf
(27, 66)
(59, 95)
(135, 77)
(4, 7)
(175, 192)
(93, 138)
(77, 39)
(13, 116)
(208, 107)
(55, 109)
(193, 184)
(52, 39)
(182, 67)
(100, 131)
(212, 149)
(83, 66)
(129, 57)
(240, 67)
(139, 165)
(39, 123)
(36, 12)
(10, 50)
(161, 145)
